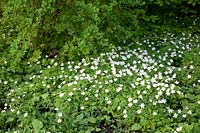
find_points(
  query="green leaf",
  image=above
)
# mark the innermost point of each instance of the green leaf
(44, 96)
(79, 117)
(10, 119)
(92, 120)
(136, 127)
(98, 129)
(196, 130)
(37, 125)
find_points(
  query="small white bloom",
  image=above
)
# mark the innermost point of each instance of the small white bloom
(189, 76)
(82, 107)
(125, 115)
(140, 96)
(142, 105)
(106, 98)
(18, 112)
(12, 99)
(118, 108)
(144, 92)
(5, 82)
(179, 111)
(61, 94)
(135, 101)
(96, 95)
(71, 94)
(184, 115)
(139, 111)
(179, 129)
(106, 90)
(109, 102)
(83, 93)
(175, 115)
(86, 98)
(124, 111)
(26, 114)
(130, 105)
(59, 121)
(130, 99)
(59, 114)
(154, 113)
(69, 99)
(189, 112)
(170, 110)
(55, 64)
(191, 67)
(198, 102)
(119, 89)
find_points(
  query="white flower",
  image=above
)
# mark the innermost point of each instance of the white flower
(124, 111)
(189, 112)
(154, 113)
(130, 105)
(59, 121)
(184, 115)
(55, 64)
(179, 111)
(61, 94)
(139, 111)
(5, 82)
(198, 102)
(109, 102)
(189, 76)
(175, 115)
(118, 108)
(160, 93)
(135, 101)
(144, 92)
(12, 99)
(140, 96)
(119, 89)
(142, 105)
(83, 93)
(18, 112)
(26, 114)
(59, 114)
(98, 72)
(179, 129)
(71, 94)
(125, 115)
(170, 110)
(191, 67)
(82, 107)
(106, 90)
(69, 99)
(86, 98)
(130, 99)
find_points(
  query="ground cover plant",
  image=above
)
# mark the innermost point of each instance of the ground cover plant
(99, 66)
(140, 88)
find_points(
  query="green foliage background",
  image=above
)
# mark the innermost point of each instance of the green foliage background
(76, 28)
(72, 29)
